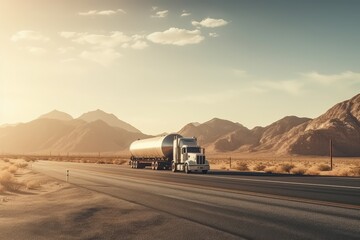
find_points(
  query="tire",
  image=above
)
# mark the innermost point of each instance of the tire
(136, 164)
(156, 166)
(187, 171)
(204, 171)
(173, 167)
(153, 166)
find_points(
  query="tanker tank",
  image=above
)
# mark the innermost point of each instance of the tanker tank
(154, 148)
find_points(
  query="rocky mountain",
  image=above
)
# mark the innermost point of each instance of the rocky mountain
(341, 123)
(108, 118)
(209, 131)
(290, 135)
(75, 136)
(55, 114)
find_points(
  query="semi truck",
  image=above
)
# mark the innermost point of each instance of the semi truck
(171, 151)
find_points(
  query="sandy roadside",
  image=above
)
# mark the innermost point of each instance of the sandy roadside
(51, 209)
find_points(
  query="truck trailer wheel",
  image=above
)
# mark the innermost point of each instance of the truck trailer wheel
(187, 171)
(173, 167)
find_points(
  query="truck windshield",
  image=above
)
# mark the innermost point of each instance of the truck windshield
(193, 149)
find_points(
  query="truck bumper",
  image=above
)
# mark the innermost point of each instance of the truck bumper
(200, 168)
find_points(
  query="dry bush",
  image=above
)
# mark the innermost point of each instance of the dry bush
(6, 160)
(259, 167)
(313, 171)
(223, 167)
(242, 166)
(8, 181)
(2, 188)
(33, 184)
(12, 169)
(355, 171)
(270, 169)
(286, 167)
(119, 161)
(298, 170)
(21, 165)
(324, 167)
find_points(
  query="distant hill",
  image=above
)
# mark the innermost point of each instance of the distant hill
(46, 135)
(341, 123)
(108, 118)
(55, 114)
(289, 135)
(209, 131)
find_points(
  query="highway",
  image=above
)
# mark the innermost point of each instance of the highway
(237, 205)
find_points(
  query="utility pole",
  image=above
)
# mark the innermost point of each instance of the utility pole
(230, 163)
(331, 155)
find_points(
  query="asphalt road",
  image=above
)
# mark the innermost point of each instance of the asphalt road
(239, 205)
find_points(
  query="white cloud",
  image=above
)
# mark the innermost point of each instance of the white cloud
(36, 50)
(176, 36)
(185, 13)
(104, 57)
(114, 39)
(138, 45)
(67, 34)
(160, 14)
(210, 23)
(29, 35)
(332, 78)
(154, 8)
(102, 12)
(212, 34)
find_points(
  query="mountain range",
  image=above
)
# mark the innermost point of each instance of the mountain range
(97, 131)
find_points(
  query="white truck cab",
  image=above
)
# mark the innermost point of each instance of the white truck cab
(188, 156)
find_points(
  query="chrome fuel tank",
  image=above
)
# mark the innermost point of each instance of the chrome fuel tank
(157, 147)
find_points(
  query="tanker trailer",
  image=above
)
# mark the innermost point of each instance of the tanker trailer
(169, 151)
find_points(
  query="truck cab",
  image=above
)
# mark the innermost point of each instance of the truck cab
(188, 156)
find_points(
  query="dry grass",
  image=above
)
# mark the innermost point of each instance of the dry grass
(242, 166)
(291, 165)
(9, 182)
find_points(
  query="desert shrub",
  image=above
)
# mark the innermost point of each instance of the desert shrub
(259, 167)
(2, 188)
(6, 160)
(286, 167)
(119, 161)
(298, 171)
(223, 167)
(324, 167)
(313, 171)
(33, 184)
(270, 169)
(242, 166)
(355, 171)
(9, 182)
(21, 165)
(12, 169)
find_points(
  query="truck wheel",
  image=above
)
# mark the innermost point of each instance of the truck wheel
(136, 164)
(204, 171)
(173, 167)
(187, 171)
(156, 165)
(152, 165)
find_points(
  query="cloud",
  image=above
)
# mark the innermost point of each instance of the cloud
(139, 45)
(176, 36)
(64, 50)
(28, 35)
(160, 14)
(212, 34)
(36, 50)
(332, 78)
(185, 13)
(101, 13)
(210, 23)
(104, 57)
(240, 73)
(114, 39)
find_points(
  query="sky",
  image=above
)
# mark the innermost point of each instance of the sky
(159, 65)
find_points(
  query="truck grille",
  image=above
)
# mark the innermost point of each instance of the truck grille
(200, 159)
